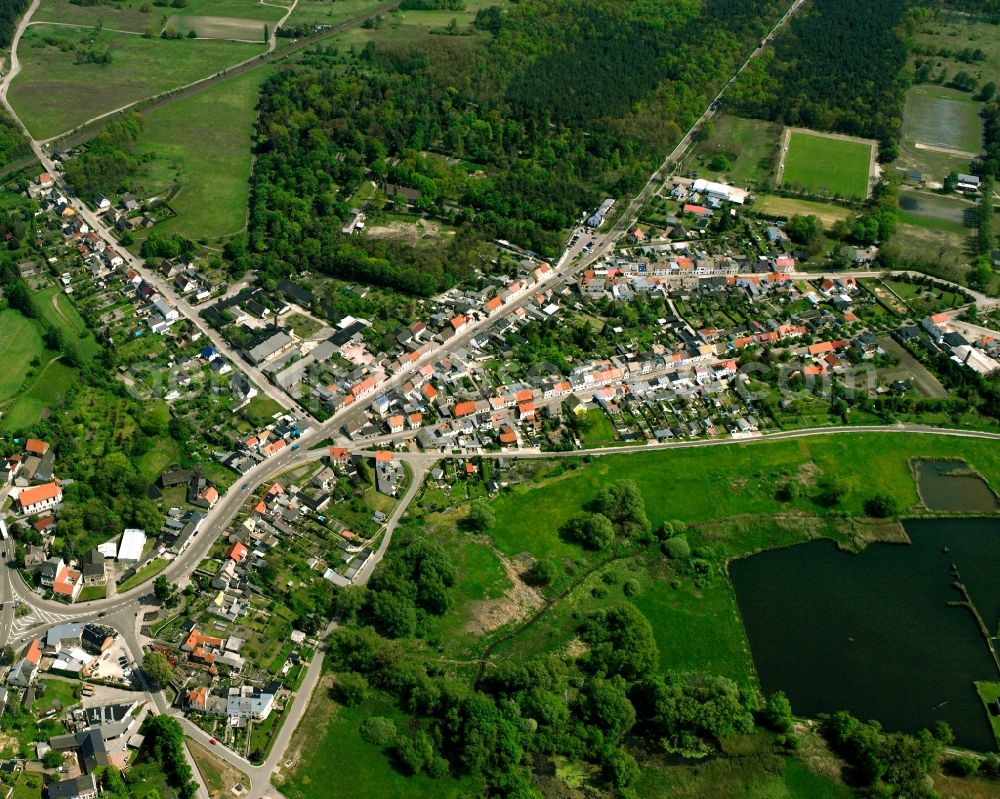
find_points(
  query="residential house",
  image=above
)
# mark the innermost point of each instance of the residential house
(34, 446)
(96, 639)
(237, 552)
(50, 570)
(68, 584)
(82, 787)
(22, 674)
(93, 568)
(340, 457)
(39, 498)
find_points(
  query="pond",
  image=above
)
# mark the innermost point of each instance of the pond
(872, 633)
(953, 486)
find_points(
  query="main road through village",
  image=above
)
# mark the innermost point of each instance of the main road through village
(124, 611)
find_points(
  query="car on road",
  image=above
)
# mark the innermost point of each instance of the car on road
(212, 741)
(294, 447)
(245, 487)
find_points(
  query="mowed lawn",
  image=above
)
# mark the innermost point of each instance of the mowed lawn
(20, 341)
(202, 144)
(52, 94)
(943, 117)
(823, 165)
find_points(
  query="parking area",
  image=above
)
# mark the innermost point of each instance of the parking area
(115, 664)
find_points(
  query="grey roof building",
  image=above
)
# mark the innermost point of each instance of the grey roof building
(272, 344)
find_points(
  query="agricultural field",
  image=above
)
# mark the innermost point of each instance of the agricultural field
(826, 213)
(408, 27)
(750, 146)
(944, 118)
(228, 28)
(53, 94)
(202, 148)
(820, 164)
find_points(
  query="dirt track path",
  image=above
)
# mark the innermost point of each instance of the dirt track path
(54, 299)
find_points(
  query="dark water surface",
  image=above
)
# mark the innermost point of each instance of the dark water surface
(952, 486)
(873, 633)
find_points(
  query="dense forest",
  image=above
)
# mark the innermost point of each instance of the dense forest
(839, 66)
(511, 136)
(10, 12)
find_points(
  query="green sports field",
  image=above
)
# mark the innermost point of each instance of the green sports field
(819, 164)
